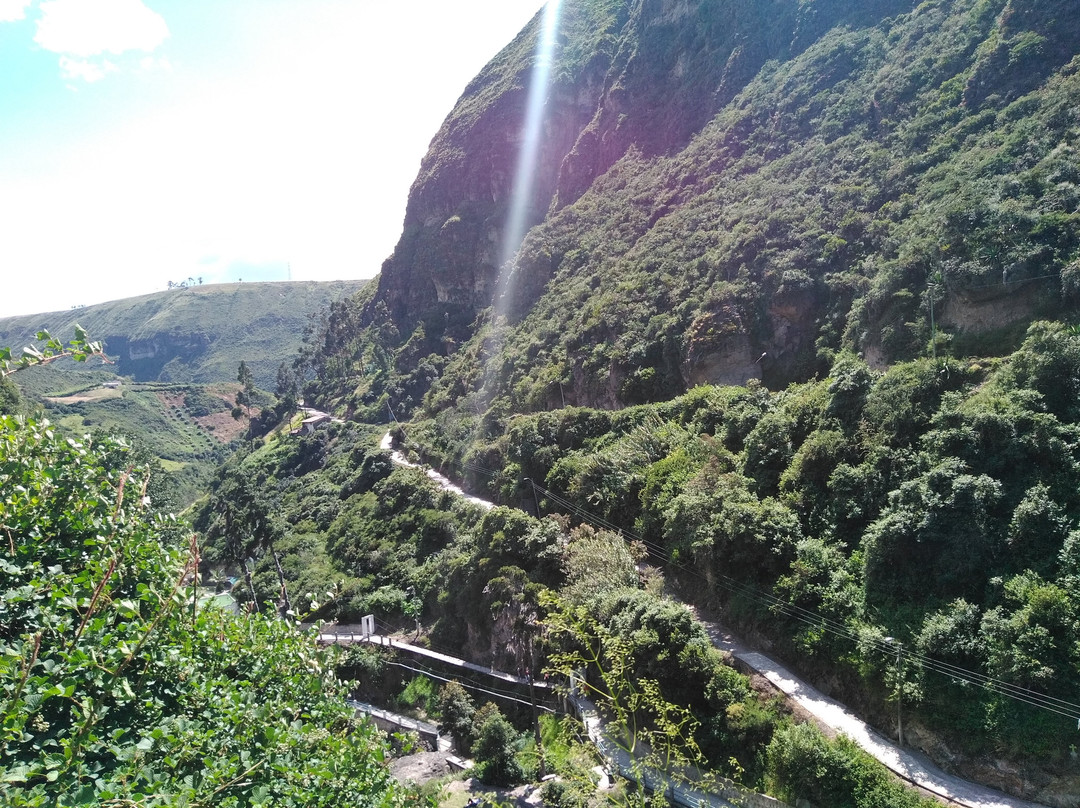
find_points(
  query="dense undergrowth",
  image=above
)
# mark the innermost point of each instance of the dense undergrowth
(934, 503)
(118, 687)
(358, 535)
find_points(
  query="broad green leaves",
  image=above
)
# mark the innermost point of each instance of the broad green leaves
(80, 348)
(114, 688)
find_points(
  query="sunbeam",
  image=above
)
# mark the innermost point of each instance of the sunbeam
(528, 158)
(521, 199)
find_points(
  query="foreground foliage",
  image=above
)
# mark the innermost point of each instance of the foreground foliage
(117, 688)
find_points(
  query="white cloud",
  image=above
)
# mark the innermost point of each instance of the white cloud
(11, 10)
(89, 27)
(84, 69)
(148, 64)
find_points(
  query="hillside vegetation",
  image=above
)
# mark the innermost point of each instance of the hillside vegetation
(911, 531)
(118, 687)
(731, 191)
(195, 334)
(797, 311)
(176, 356)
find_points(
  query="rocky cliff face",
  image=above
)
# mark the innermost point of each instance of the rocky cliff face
(145, 359)
(730, 190)
(642, 75)
(445, 267)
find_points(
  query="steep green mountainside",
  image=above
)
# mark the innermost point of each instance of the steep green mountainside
(723, 180)
(196, 333)
(795, 311)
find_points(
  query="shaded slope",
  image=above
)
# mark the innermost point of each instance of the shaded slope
(628, 75)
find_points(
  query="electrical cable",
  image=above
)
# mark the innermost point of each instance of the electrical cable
(387, 630)
(774, 603)
(477, 688)
(811, 618)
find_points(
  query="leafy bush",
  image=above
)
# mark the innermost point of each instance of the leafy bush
(804, 765)
(419, 694)
(456, 709)
(117, 686)
(496, 749)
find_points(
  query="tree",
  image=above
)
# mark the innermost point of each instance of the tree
(654, 733)
(805, 765)
(286, 390)
(496, 748)
(244, 524)
(936, 538)
(245, 396)
(457, 710)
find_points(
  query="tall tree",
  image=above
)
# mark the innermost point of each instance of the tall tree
(243, 523)
(245, 397)
(286, 389)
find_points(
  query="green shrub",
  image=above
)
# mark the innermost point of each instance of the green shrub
(804, 765)
(495, 750)
(419, 694)
(116, 688)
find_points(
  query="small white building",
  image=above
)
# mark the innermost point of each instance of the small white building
(309, 424)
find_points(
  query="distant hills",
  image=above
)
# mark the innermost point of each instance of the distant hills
(196, 334)
(176, 354)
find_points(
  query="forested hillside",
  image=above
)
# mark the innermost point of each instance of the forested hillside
(794, 311)
(724, 180)
(780, 323)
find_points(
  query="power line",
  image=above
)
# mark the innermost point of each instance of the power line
(811, 618)
(774, 603)
(475, 687)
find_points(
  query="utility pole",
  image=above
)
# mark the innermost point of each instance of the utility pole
(931, 287)
(933, 328)
(899, 687)
(542, 767)
(536, 499)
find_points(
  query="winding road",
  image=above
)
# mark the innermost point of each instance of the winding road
(907, 764)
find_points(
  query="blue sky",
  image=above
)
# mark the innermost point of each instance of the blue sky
(148, 141)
